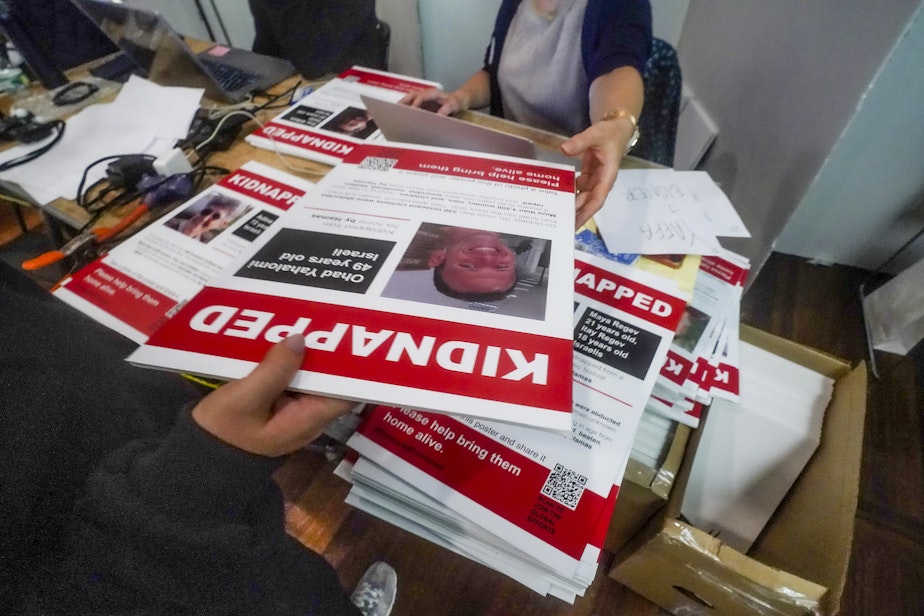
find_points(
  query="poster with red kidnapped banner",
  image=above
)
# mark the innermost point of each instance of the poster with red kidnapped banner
(327, 124)
(135, 286)
(702, 357)
(422, 277)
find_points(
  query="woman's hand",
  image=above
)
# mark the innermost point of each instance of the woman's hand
(601, 148)
(444, 104)
(603, 145)
(256, 413)
(475, 93)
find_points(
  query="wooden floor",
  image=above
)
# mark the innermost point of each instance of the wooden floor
(812, 304)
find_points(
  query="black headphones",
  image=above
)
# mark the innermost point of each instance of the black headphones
(74, 93)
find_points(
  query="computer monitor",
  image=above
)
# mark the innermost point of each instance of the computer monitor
(52, 36)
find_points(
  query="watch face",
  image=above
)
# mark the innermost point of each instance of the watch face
(632, 141)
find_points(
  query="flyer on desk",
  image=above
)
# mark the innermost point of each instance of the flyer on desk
(423, 277)
(135, 287)
(328, 123)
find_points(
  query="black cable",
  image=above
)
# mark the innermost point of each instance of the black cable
(75, 92)
(100, 198)
(57, 125)
(290, 93)
(207, 170)
(127, 196)
(86, 170)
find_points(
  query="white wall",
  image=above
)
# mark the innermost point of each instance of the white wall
(868, 199)
(782, 80)
(667, 17)
(184, 17)
(405, 55)
(454, 36)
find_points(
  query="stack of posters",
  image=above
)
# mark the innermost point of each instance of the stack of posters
(670, 222)
(422, 277)
(135, 287)
(327, 124)
(529, 503)
(703, 359)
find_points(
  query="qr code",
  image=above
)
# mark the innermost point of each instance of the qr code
(378, 164)
(565, 486)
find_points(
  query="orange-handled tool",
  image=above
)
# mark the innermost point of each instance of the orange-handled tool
(98, 235)
(53, 256)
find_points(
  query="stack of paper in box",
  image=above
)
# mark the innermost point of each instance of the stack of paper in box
(531, 504)
(752, 450)
(328, 123)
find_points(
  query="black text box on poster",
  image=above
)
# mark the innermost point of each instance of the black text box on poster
(616, 343)
(322, 260)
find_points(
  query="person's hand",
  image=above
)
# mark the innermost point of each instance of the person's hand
(448, 104)
(256, 414)
(601, 147)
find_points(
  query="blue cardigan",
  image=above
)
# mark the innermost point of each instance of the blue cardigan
(615, 33)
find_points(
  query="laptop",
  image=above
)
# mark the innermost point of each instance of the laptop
(415, 125)
(154, 49)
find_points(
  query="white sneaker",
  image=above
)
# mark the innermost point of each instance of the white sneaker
(375, 593)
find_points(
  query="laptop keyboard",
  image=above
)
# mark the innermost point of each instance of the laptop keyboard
(230, 78)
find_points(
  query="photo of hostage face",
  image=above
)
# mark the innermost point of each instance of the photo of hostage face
(353, 125)
(204, 221)
(474, 265)
(212, 216)
(352, 121)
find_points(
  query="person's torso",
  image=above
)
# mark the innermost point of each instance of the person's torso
(541, 73)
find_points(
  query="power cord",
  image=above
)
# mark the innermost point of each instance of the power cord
(131, 177)
(238, 123)
(122, 173)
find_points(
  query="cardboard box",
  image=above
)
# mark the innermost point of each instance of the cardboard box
(798, 565)
(644, 492)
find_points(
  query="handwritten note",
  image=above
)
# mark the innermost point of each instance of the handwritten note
(662, 211)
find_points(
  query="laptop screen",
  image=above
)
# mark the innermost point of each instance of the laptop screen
(52, 36)
(149, 40)
(412, 125)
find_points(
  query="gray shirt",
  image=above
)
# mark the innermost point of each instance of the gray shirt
(542, 79)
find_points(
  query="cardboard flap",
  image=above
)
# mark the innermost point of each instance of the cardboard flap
(664, 480)
(685, 570)
(799, 564)
(818, 513)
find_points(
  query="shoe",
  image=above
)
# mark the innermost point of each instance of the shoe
(375, 593)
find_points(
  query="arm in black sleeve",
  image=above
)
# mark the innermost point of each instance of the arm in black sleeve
(189, 524)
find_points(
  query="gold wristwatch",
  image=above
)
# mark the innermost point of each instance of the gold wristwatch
(622, 113)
